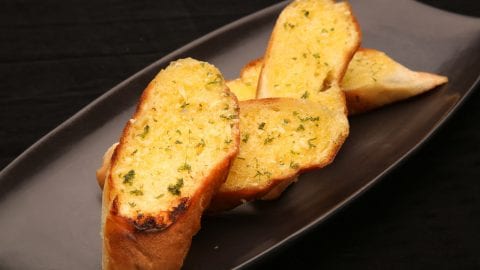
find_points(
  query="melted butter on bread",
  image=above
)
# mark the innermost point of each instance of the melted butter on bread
(308, 52)
(182, 129)
(280, 138)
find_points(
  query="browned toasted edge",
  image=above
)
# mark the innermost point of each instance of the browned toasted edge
(145, 243)
(250, 64)
(357, 105)
(225, 200)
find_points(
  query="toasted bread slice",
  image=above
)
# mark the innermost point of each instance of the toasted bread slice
(245, 87)
(173, 155)
(308, 52)
(280, 138)
(373, 80)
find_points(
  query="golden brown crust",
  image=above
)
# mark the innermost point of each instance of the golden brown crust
(157, 242)
(130, 248)
(249, 65)
(351, 53)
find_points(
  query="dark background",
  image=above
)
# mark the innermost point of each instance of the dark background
(57, 56)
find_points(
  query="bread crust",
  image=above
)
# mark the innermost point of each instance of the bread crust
(149, 243)
(130, 248)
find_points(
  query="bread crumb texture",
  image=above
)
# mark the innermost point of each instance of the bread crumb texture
(308, 52)
(279, 138)
(182, 129)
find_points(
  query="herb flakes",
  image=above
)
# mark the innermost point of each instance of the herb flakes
(175, 189)
(128, 178)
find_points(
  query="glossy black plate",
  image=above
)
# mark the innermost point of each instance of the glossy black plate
(50, 202)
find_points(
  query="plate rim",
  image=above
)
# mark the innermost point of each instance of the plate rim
(205, 38)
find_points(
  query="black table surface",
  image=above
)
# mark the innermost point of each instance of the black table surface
(57, 56)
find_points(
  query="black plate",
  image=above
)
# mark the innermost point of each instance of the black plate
(50, 202)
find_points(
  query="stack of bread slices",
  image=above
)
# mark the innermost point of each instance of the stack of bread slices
(192, 146)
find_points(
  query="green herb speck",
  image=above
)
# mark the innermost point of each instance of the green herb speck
(305, 95)
(146, 129)
(184, 105)
(185, 167)
(245, 137)
(294, 165)
(128, 178)
(136, 192)
(175, 189)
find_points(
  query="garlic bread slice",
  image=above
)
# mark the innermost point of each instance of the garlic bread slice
(373, 80)
(172, 156)
(308, 52)
(280, 138)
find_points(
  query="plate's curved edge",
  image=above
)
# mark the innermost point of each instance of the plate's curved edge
(340, 206)
(106, 95)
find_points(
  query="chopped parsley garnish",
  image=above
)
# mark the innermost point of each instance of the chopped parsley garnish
(229, 117)
(261, 126)
(245, 137)
(201, 143)
(185, 167)
(288, 25)
(268, 140)
(160, 196)
(134, 152)
(128, 178)
(309, 118)
(178, 142)
(286, 121)
(264, 173)
(146, 129)
(305, 95)
(294, 165)
(136, 192)
(175, 189)
(217, 80)
(228, 141)
(132, 204)
(300, 128)
(306, 13)
(184, 105)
